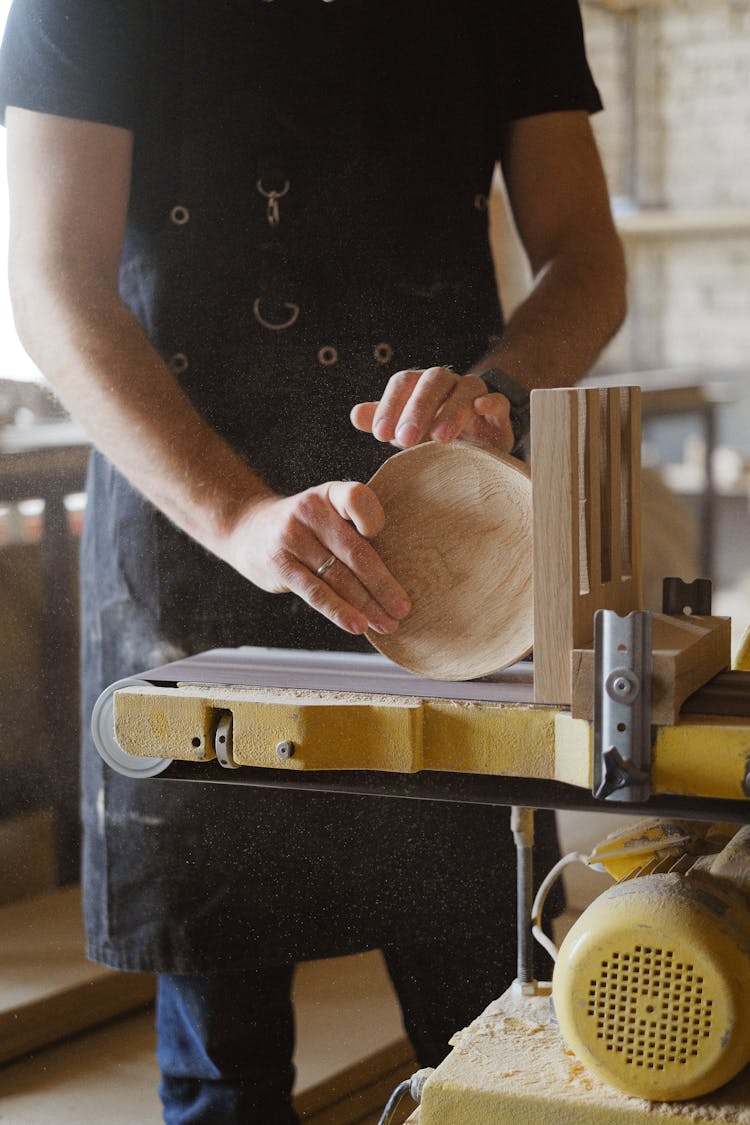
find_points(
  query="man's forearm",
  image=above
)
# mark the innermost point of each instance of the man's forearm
(556, 334)
(108, 375)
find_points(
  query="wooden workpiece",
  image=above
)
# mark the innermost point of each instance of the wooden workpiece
(457, 536)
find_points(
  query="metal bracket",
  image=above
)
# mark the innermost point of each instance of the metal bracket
(680, 598)
(223, 745)
(622, 706)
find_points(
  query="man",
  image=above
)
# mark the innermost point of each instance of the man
(231, 225)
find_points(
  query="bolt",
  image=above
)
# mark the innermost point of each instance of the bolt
(285, 749)
(622, 685)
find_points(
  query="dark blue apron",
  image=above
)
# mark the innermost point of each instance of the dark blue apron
(328, 227)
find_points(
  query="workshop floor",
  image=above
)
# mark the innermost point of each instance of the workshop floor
(352, 1052)
(351, 1056)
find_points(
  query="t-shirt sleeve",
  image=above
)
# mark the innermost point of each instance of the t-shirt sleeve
(78, 58)
(541, 60)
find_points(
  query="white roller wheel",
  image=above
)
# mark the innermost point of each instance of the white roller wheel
(103, 731)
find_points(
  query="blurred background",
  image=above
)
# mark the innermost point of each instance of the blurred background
(675, 140)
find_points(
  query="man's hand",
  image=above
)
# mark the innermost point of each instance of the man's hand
(315, 544)
(440, 405)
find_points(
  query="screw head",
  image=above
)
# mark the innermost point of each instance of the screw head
(622, 685)
(285, 749)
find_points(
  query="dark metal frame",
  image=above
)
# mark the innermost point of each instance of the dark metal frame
(430, 785)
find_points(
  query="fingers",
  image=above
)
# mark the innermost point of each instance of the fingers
(458, 408)
(388, 418)
(342, 516)
(359, 504)
(316, 546)
(341, 591)
(490, 424)
(362, 416)
(416, 406)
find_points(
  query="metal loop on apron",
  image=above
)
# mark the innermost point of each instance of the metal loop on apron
(273, 198)
(179, 215)
(178, 363)
(328, 355)
(383, 352)
(283, 324)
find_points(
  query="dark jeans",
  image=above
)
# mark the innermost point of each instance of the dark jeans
(225, 1042)
(225, 1046)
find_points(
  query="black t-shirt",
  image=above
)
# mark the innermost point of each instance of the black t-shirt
(121, 63)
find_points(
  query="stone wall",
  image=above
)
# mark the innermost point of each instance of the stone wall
(675, 140)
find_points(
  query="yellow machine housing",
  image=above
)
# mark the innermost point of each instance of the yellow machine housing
(651, 983)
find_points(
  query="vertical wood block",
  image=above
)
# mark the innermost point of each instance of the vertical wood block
(585, 469)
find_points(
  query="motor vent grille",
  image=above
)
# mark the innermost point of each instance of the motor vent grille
(650, 1008)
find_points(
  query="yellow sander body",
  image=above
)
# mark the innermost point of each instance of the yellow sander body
(651, 983)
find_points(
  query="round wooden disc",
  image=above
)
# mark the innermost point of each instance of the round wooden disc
(457, 537)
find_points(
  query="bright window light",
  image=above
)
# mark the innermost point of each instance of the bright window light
(14, 363)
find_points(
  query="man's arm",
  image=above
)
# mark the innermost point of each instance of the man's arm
(561, 207)
(69, 184)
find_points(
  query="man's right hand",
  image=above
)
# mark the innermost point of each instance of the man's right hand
(281, 542)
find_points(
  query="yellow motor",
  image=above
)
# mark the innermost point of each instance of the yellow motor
(651, 984)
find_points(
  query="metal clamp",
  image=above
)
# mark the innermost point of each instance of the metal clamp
(622, 706)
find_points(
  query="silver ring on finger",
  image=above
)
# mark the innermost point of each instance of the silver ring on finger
(325, 566)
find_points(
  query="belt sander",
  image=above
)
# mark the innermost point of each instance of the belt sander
(619, 709)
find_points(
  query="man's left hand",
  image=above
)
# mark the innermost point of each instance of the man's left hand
(439, 405)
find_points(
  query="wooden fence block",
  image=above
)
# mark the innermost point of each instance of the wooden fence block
(585, 470)
(687, 653)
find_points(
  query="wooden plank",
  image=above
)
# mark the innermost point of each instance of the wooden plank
(613, 461)
(636, 510)
(554, 460)
(660, 222)
(48, 990)
(27, 847)
(593, 503)
(352, 1095)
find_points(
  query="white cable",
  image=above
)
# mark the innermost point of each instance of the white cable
(412, 1086)
(541, 897)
